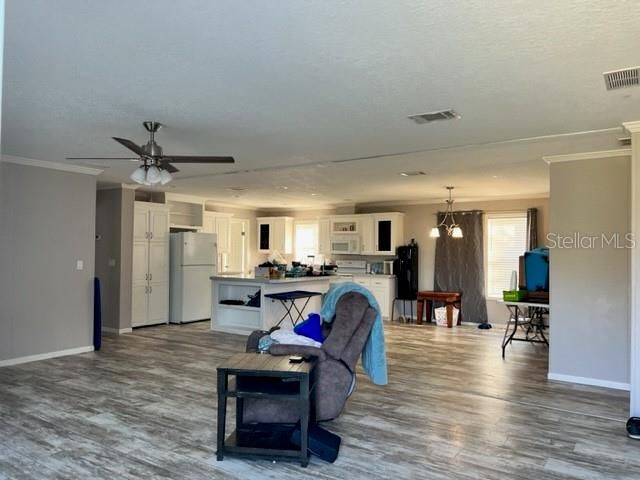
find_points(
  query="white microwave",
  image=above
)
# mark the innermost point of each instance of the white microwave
(345, 244)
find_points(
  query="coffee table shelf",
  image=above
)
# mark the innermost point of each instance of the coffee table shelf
(264, 376)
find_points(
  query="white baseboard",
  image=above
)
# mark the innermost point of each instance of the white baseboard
(117, 331)
(596, 382)
(44, 356)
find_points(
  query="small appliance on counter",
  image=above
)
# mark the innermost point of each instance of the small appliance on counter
(387, 267)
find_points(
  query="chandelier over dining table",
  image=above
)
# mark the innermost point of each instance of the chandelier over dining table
(448, 221)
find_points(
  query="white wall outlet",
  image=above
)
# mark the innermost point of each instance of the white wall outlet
(79, 265)
(112, 262)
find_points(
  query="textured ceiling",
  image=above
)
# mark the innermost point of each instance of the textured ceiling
(289, 82)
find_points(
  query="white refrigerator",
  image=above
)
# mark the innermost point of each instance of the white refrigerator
(193, 261)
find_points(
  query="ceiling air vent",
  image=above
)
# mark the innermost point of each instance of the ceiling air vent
(625, 78)
(434, 116)
(416, 173)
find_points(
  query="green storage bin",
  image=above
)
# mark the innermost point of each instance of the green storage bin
(514, 295)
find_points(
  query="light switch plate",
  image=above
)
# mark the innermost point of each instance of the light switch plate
(79, 265)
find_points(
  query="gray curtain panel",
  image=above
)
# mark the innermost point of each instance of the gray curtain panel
(532, 228)
(459, 265)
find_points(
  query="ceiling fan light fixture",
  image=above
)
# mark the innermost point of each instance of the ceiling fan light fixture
(153, 175)
(139, 175)
(165, 177)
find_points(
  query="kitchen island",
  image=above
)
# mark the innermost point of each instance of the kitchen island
(243, 319)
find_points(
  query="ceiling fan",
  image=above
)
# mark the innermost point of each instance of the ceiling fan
(155, 167)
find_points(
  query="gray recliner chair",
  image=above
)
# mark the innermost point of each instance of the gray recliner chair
(345, 340)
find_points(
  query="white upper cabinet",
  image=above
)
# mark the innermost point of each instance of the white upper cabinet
(341, 225)
(367, 242)
(275, 234)
(222, 232)
(324, 236)
(186, 214)
(209, 222)
(218, 223)
(159, 225)
(140, 223)
(150, 222)
(388, 232)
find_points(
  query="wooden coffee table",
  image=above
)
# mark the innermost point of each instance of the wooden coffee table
(450, 299)
(264, 376)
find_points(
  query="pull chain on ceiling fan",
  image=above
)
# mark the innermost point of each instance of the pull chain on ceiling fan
(155, 167)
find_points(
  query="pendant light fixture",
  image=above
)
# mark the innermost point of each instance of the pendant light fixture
(448, 222)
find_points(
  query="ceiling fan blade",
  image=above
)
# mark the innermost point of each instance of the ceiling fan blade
(131, 146)
(196, 159)
(168, 167)
(102, 158)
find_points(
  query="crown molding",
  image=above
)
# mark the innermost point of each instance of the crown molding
(631, 127)
(63, 167)
(572, 157)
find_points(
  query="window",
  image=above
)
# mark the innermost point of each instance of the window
(506, 240)
(305, 240)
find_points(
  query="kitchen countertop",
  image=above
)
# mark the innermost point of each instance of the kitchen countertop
(252, 279)
(379, 275)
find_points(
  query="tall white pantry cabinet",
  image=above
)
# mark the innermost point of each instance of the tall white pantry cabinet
(150, 275)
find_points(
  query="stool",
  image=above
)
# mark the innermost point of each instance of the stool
(288, 300)
(393, 306)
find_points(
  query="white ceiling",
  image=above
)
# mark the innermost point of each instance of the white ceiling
(292, 82)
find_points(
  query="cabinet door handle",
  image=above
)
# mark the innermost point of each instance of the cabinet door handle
(150, 234)
(151, 276)
(146, 290)
(150, 289)
(146, 276)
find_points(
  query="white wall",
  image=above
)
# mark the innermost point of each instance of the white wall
(46, 305)
(590, 323)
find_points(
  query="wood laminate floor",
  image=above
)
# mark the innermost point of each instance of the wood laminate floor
(144, 408)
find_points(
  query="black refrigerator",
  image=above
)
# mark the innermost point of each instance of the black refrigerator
(405, 268)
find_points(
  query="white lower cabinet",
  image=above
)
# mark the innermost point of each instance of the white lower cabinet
(383, 289)
(158, 309)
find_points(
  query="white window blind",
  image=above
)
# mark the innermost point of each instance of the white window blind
(506, 240)
(306, 240)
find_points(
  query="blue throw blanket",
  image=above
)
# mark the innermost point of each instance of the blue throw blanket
(374, 360)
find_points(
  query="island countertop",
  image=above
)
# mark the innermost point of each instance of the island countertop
(248, 278)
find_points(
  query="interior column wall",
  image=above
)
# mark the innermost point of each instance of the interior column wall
(589, 279)
(634, 129)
